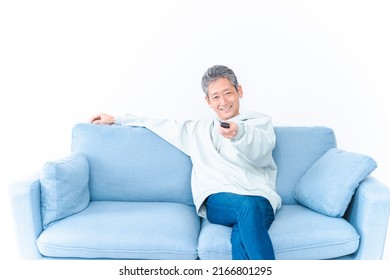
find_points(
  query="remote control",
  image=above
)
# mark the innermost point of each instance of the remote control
(225, 125)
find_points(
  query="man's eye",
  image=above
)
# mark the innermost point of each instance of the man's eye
(215, 97)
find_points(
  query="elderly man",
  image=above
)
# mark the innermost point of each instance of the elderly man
(234, 174)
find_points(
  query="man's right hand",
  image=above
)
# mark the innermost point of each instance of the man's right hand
(102, 118)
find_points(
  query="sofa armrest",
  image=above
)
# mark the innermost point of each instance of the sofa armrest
(25, 203)
(368, 212)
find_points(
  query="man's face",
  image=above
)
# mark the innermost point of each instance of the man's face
(224, 99)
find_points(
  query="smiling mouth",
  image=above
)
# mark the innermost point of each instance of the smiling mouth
(226, 108)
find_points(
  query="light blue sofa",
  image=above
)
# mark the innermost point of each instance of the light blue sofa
(124, 193)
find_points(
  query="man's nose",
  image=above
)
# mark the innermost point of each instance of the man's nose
(223, 100)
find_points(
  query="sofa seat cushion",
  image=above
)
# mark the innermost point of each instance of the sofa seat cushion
(296, 233)
(124, 230)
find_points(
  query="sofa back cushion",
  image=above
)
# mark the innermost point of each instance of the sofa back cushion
(297, 148)
(132, 164)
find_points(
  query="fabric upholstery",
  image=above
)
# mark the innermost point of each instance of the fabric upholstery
(116, 230)
(64, 187)
(329, 184)
(297, 148)
(133, 164)
(296, 233)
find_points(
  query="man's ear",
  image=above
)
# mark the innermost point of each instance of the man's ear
(240, 91)
(207, 100)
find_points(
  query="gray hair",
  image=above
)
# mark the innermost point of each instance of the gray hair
(215, 72)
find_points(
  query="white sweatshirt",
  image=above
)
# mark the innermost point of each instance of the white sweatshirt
(243, 165)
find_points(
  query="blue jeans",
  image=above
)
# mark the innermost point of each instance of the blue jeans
(250, 218)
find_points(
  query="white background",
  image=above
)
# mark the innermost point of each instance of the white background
(303, 63)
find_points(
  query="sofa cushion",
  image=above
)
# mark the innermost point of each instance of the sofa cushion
(133, 164)
(329, 184)
(297, 148)
(125, 230)
(64, 187)
(296, 233)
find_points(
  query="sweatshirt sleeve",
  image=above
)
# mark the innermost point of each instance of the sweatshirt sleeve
(177, 134)
(255, 140)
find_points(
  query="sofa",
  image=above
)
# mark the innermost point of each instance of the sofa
(125, 193)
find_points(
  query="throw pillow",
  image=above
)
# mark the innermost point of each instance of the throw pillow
(64, 187)
(329, 184)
